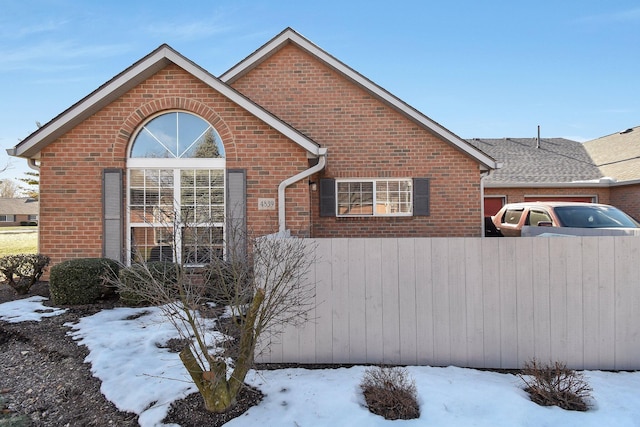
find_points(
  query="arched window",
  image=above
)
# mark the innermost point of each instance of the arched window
(176, 190)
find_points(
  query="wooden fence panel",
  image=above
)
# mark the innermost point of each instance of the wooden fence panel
(606, 303)
(425, 327)
(590, 304)
(626, 299)
(441, 313)
(373, 295)
(487, 303)
(356, 299)
(408, 309)
(525, 308)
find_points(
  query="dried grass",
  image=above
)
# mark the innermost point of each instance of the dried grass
(390, 393)
(553, 384)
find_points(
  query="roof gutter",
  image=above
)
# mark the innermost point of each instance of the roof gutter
(30, 162)
(322, 161)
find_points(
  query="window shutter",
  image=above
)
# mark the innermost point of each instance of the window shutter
(421, 197)
(112, 201)
(236, 226)
(327, 197)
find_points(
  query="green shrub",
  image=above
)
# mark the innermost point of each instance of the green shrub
(132, 289)
(82, 280)
(554, 384)
(228, 283)
(22, 271)
(390, 393)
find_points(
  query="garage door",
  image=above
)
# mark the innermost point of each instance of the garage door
(492, 205)
(584, 199)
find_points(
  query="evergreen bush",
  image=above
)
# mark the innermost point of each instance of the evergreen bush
(132, 279)
(228, 283)
(82, 280)
(22, 271)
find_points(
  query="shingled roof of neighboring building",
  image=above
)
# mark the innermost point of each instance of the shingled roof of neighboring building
(617, 155)
(552, 160)
(19, 206)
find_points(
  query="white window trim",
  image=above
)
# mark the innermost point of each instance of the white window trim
(6, 218)
(374, 181)
(176, 165)
(156, 115)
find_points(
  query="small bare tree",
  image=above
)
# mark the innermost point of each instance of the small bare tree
(8, 188)
(263, 283)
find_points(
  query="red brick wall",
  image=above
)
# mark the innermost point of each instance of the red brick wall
(627, 198)
(367, 139)
(71, 167)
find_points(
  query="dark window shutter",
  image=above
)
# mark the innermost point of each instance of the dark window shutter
(236, 226)
(421, 197)
(327, 197)
(112, 201)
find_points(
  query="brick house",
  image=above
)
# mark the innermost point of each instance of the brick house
(288, 139)
(540, 169)
(603, 170)
(18, 211)
(618, 158)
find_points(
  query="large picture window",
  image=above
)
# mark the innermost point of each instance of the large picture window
(176, 191)
(374, 197)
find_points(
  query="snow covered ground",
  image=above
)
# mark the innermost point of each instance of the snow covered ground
(139, 376)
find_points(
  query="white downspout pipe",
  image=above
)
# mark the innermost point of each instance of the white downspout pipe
(322, 161)
(33, 165)
(483, 175)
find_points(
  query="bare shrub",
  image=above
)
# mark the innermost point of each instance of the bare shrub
(390, 393)
(553, 384)
(263, 282)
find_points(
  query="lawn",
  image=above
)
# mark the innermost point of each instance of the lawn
(17, 241)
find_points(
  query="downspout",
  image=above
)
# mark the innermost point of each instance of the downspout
(32, 164)
(483, 175)
(322, 161)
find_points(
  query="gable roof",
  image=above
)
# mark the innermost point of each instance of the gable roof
(19, 206)
(617, 155)
(163, 56)
(290, 36)
(553, 160)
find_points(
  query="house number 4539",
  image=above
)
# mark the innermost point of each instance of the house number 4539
(266, 204)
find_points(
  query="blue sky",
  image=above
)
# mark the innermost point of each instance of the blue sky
(479, 68)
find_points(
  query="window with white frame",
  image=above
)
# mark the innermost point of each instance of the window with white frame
(176, 190)
(7, 218)
(374, 197)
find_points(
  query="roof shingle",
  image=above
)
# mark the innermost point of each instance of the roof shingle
(19, 206)
(554, 160)
(617, 155)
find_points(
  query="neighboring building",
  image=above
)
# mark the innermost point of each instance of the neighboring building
(604, 170)
(618, 157)
(288, 139)
(540, 169)
(18, 211)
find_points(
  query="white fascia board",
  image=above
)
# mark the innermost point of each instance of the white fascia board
(291, 36)
(148, 66)
(584, 184)
(89, 105)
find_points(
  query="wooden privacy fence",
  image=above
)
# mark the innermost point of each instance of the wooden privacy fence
(471, 302)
